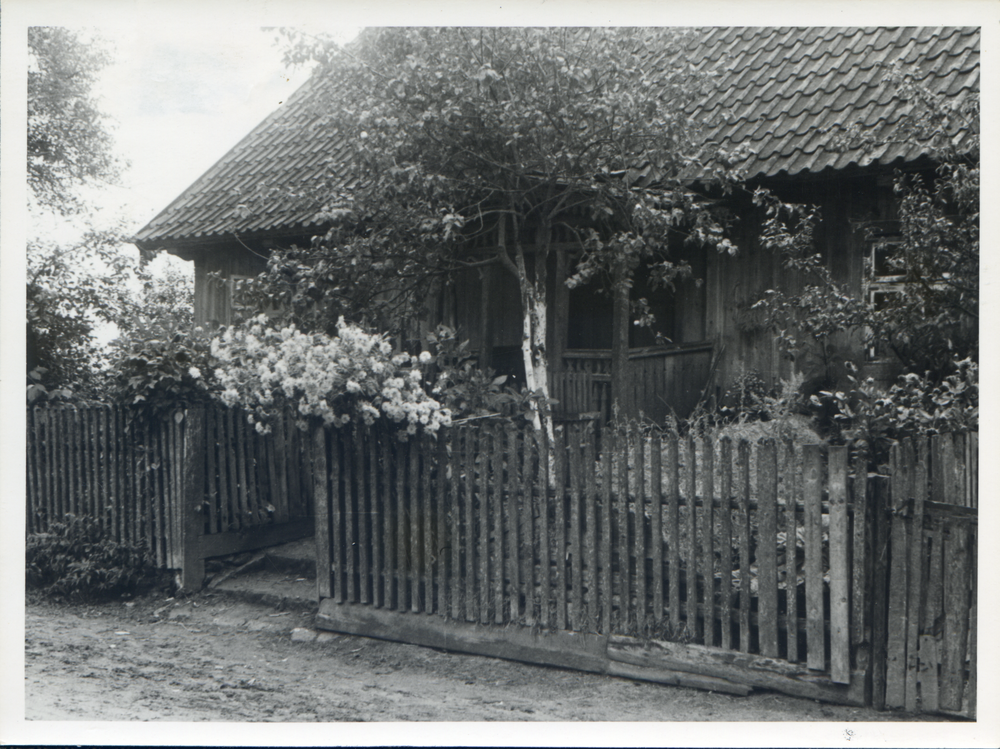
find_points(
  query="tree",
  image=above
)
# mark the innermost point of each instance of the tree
(73, 287)
(69, 140)
(71, 291)
(504, 140)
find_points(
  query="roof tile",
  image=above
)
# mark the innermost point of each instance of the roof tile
(784, 91)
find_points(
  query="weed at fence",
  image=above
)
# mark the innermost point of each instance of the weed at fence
(75, 561)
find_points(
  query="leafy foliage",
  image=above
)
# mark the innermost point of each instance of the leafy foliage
(810, 325)
(163, 370)
(75, 561)
(69, 141)
(71, 291)
(872, 418)
(469, 391)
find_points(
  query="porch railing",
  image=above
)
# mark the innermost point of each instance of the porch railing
(663, 380)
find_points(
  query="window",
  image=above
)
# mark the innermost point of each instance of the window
(239, 306)
(883, 281)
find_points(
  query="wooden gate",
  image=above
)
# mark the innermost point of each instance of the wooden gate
(930, 648)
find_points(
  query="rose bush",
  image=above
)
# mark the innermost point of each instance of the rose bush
(353, 375)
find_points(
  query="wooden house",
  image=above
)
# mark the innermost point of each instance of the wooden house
(786, 93)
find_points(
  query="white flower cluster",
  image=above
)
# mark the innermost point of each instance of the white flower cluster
(352, 374)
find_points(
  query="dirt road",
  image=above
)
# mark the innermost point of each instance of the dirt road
(211, 658)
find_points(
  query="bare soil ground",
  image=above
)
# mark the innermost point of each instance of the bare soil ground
(213, 658)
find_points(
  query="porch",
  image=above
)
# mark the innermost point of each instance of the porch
(662, 380)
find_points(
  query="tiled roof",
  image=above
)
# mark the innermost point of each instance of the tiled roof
(783, 92)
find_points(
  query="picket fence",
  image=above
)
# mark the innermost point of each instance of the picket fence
(725, 565)
(191, 485)
(736, 546)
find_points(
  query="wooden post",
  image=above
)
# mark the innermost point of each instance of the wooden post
(880, 582)
(812, 478)
(767, 532)
(193, 525)
(840, 666)
(324, 589)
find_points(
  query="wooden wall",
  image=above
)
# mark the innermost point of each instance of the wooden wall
(212, 303)
(733, 284)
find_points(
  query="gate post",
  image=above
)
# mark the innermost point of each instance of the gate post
(193, 498)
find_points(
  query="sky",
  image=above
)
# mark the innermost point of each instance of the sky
(178, 103)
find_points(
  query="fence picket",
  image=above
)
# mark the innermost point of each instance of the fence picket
(497, 564)
(454, 468)
(336, 493)
(389, 518)
(639, 531)
(252, 517)
(973, 621)
(513, 524)
(625, 583)
(576, 535)
(896, 624)
(790, 484)
(956, 616)
(401, 460)
(930, 641)
(324, 502)
(530, 485)
(726, 540)
(590, 522)
(707, 468)
(918, 459)
(363, 512)
(73, 450)
(468, 453)
(861, 565)
(767, 570)
(416, 514)
(103, 495)
(88, 460)
(440, 578)
(694, 624)
(656, 527)
(544, 570)
(483, 453)
(376, 498)
(840, 651)
(812, 480)
(559, 500)
(743, 532)
(607, 592)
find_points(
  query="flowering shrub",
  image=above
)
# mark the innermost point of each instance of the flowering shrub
(351, 375)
